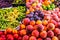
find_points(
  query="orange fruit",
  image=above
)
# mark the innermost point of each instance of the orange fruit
(45, 28)
(22, 26)
(14, 31)
(35, 27)
(32, 22)
(44, 22)
(38, 22)
(5, 32)
(55, 38)
(27, 12)
(27, 1)
(52, 0)
(9, 30)
(46, 3)
(22, 32)
(31, 9)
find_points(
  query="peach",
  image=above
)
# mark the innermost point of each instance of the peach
(1, 32)
(35, 27)
(32, 22)
(48, 39)
(15, 35)
(44, 22)
(40, 39)
(43, 34)
(26, 37)
(9, 30)
(22, 26)
(50, 33)
(14, 31)
(59, 37)
(22, 32)
(10, 37)
(38, 22)
(55, 38)
(19, 38)
(40, 27)
(1, 38)
(57, 31)
(50, 26)
(32, 38)
(35, 33)
(26, 21)
(45, 28)
(29, 28)
(58, 24)
(54, 22)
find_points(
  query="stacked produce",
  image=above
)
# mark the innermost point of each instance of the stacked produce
(41, 21)
(36, 15)
(11, 17)
(33, 30)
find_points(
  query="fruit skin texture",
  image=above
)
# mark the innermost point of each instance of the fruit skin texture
(55, 38)
(9, 30)
(10, 37)
(22, 32)
(32, 22)
(38, 22)
(48, 39)
(15, 35)
(22, 26)
(20, 38)
(43, 34)
(1, 32)
(26, 37)
(45, 22)
(40, 39)
(54, 22)
(14, 31)
(40, 27)
(51, 26)
(57, 31)
(35, 33)
(50, 33)
(26, 21)
(32, 38)
(29, 28)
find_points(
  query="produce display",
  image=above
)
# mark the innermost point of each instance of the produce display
(11, 17)
(38, 20)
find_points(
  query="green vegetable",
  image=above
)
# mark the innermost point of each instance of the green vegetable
(11, 17)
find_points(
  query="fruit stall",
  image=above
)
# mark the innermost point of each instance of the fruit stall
(29, 19)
